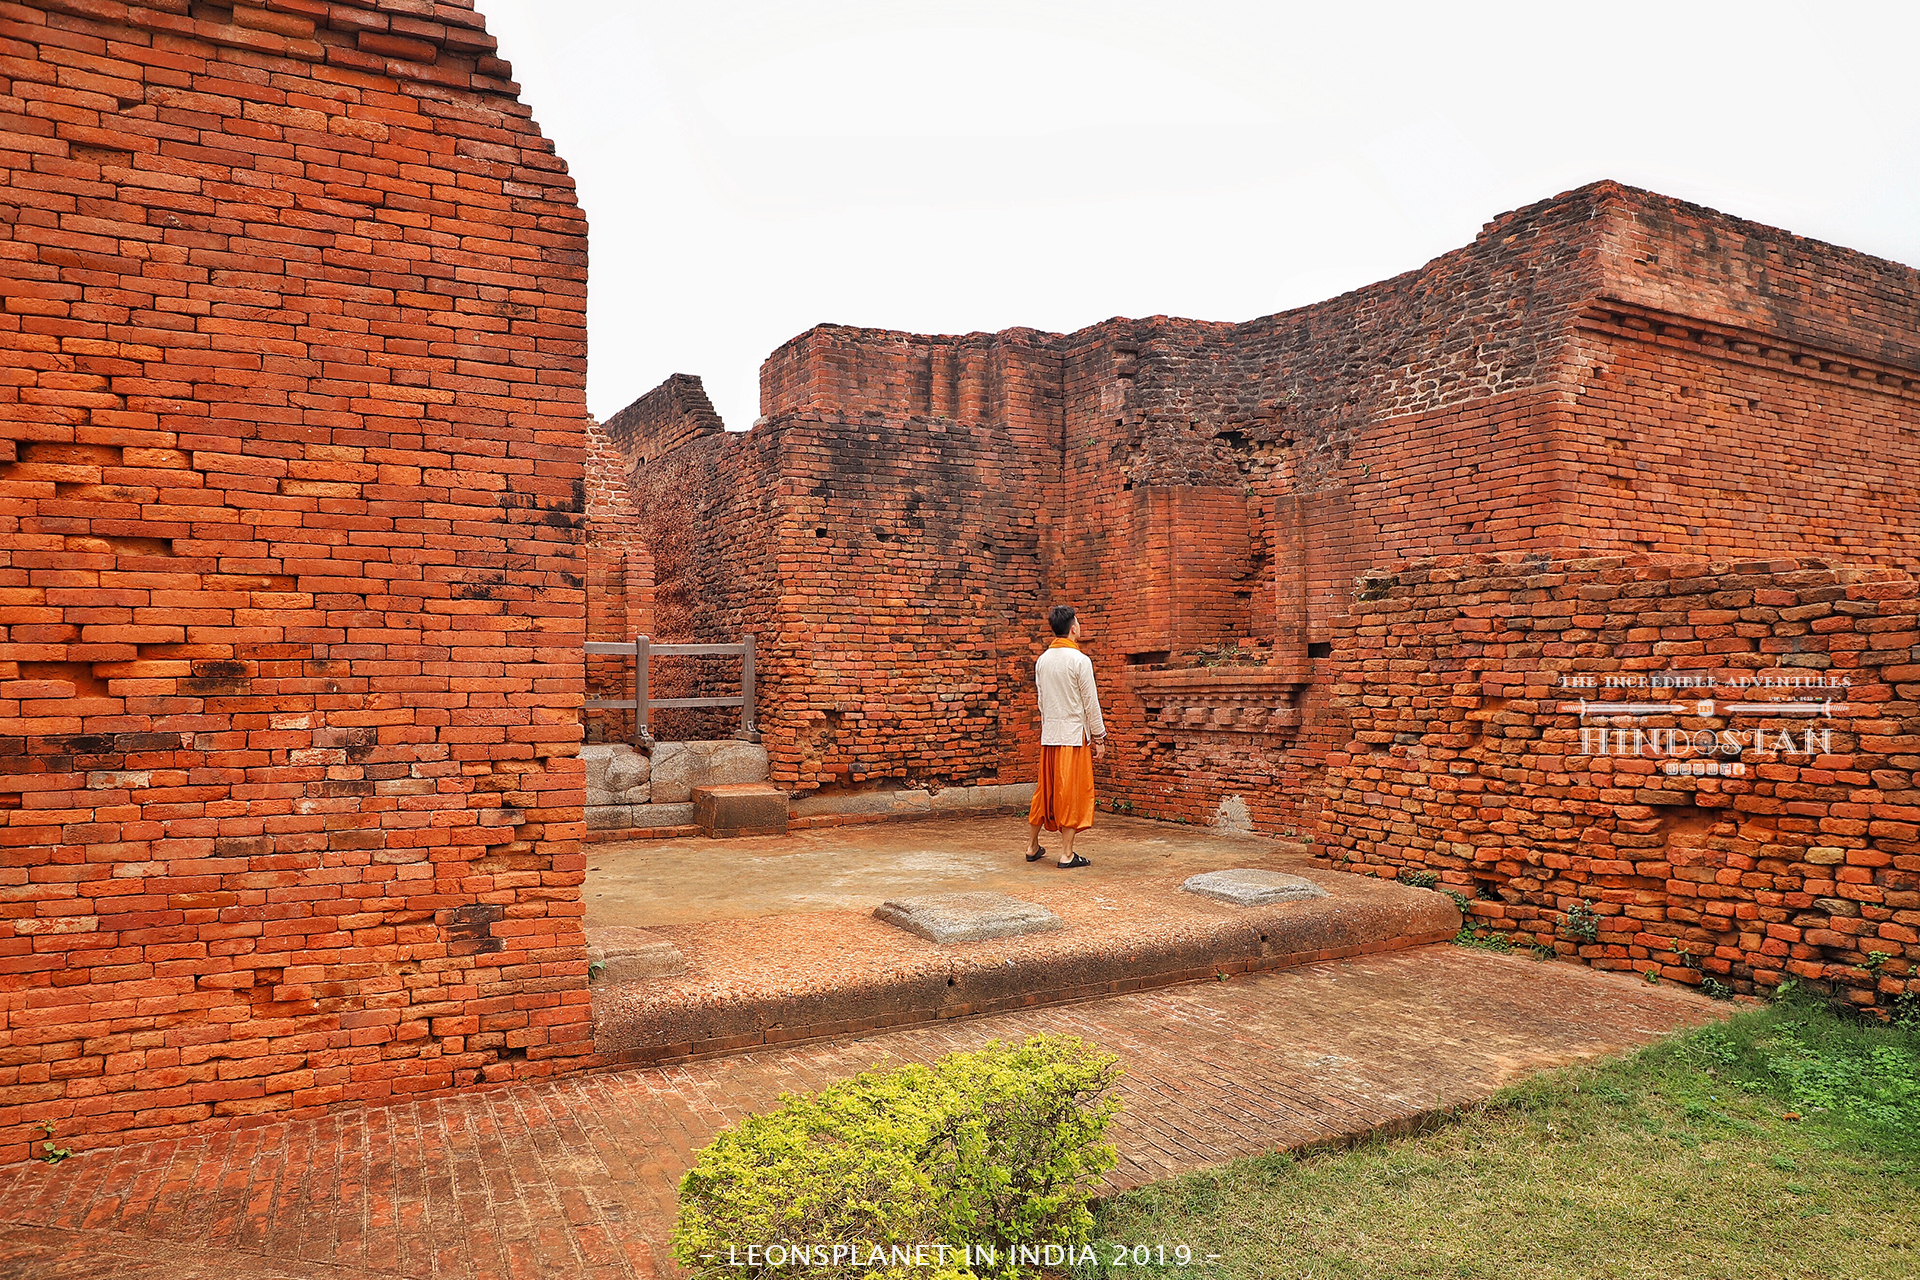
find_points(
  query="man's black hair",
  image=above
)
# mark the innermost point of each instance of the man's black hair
(1061, 619)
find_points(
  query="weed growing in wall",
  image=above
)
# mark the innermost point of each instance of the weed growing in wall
(52, 1152)
(1582, 923)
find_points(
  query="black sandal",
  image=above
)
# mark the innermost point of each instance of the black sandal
(1036, 855)
(1078, 861)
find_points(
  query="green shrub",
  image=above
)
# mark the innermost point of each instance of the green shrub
(980, 1153)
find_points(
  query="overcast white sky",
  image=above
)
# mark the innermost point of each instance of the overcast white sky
(752, 169)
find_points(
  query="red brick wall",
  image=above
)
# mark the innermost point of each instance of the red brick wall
(1463, 758)
(714, 566)
(1297, 449)
(1691, 438)
(1681, 259)
(904, 650)
(619, 582)
(887, 560)
(1609, 368)
(290, 586)
(673, 413)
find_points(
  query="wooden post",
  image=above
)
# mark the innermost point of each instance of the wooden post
(642, 729)
(748, 729)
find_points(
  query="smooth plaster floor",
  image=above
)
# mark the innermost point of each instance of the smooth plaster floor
(696, 879)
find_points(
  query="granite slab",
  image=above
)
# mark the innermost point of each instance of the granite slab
(968, 917)
(1246, 887)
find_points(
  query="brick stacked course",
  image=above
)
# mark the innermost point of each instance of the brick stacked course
(1460, 681)
(901, 651)
(619, 582)
(887, 559)
(1159, 547)
(703, 519)
(290, 607)
(1686, 435)
(1609, 369)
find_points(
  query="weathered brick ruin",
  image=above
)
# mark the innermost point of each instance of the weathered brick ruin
(304, 526)
(290, 606)
(1608, 372)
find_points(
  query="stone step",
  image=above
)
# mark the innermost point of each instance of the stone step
(620, 953)
(740, 809)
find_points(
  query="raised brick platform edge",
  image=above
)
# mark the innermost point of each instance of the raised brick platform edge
(1079, 994)
(1024, 983)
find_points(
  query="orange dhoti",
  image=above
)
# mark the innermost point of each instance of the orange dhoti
(1064, 799)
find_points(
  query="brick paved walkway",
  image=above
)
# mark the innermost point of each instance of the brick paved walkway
(575, 1178)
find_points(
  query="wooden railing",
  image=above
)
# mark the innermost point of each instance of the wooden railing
(643, 651)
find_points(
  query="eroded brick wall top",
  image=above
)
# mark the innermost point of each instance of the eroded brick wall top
(1692, 261)
(668, 416)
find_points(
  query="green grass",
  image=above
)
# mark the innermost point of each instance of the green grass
(1675, 1162)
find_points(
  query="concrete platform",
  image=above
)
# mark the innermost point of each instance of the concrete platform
(781, 944)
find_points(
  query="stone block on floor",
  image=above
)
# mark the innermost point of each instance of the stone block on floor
(625, 954)
(1245, 887)
(888, 803)
(991, 796)
(968, 917)
(740, 809)
(914, 802)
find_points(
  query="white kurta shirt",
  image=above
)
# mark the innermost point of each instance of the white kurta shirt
(1069, 704)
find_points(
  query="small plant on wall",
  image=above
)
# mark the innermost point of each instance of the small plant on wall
(1582, 923)
(52, 1152)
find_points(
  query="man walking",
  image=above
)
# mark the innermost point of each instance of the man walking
(1069, 721)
